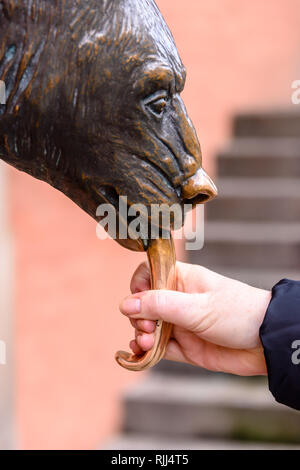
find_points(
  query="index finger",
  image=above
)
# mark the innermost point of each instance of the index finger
(141, 279)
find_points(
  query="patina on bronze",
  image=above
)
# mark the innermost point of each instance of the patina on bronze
(93, 104)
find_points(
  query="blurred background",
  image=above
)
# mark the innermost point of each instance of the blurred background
(60, 286)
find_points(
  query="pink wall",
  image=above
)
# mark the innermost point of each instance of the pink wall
(68, 286)
(238, 54)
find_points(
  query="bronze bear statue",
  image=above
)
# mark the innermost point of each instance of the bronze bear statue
(93, 103)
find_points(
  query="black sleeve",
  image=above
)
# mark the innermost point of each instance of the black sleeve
(280, 336)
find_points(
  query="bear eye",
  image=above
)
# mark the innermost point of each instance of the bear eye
(156, 103)
(158, 106)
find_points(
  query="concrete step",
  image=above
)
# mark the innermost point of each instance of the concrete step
(250, 246)
(250, 199)
(179, 368)
(138, 442)
(260, 158)
(209, 408)
(280, 123)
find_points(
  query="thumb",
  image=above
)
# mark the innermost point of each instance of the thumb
(181, 309)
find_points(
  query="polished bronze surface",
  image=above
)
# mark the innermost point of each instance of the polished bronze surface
(93, 104)
(162, 262)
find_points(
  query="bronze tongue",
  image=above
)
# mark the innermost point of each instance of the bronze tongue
(162, 261)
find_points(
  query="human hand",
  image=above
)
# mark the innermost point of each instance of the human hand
(216, 319)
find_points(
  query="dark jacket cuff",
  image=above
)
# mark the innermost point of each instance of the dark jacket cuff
(280, 336)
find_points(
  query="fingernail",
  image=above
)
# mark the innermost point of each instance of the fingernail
(131, 306)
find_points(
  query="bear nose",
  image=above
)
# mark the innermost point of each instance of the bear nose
(199, 188)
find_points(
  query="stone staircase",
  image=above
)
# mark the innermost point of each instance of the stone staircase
(253, 228)
(252, 234)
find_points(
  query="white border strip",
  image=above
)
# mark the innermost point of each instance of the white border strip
(6, 318)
